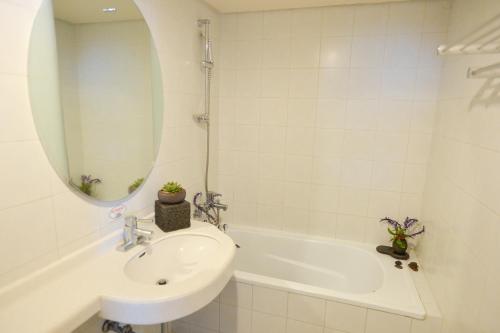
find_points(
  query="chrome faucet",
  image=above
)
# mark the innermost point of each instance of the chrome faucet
(132, 235)
(209, 211)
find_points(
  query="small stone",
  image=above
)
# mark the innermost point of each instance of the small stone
(414, 266)
(398, 263)
(398, 266)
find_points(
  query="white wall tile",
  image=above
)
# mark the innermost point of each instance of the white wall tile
(336, 52)
(249, 53)
(305, 52)
(25, 173)
(235, 320)
(387, 176)
(338, 21)
(275, 83)
(351, 227)
(302, 112)
(237, 294)
(16, 123)
(383, 203)
(324, 198)
(74, 219)
(330, 113)
(368, 51)
(270, 301)
(377, 321)
(272, 139)
(266, 323)
(277, 24)
(276, 53)
(296, 219)
(326, 170)
(322, 223)
(344, 317)
(406, 17)
(293, 326)
(299, 140)
(371, 19)
(270, 216)
(298, 168)
(402, 50)
(249, 26)
(273, 111)
(19, 19)
(333, 83)
(365, 83)
(28, 231)
(353, 201)
(429, 325)
(306, 22)
(356, 173)
(304, 83)
(208, 317)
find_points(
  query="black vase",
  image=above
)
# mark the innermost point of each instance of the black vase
(400, 246)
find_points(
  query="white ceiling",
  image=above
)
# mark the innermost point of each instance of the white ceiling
(232, 6)
(90, 11)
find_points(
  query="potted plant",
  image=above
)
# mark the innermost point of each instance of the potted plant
(135, 185)
(87, 184)
(172, 193)
(400, 232)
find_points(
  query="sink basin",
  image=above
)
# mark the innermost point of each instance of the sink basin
(176, 275)
(173, 260)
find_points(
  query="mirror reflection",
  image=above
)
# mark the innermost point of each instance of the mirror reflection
(96, 94)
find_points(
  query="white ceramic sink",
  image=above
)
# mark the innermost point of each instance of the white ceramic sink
(173, 260)
(173, 277)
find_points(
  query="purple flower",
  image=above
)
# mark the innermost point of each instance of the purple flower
(402, 230)
(409, 222)
(391, 222)
(88, 180)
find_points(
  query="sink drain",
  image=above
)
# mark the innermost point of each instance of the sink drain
(162, 282)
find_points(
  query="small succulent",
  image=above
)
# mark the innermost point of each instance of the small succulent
(135, 185)
(172, 187)
(400, 231)
(87, 184)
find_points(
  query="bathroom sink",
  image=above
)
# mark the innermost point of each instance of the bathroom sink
(175, 275)
(173, 260)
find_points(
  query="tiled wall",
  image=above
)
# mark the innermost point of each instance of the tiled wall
(326, 115)
(461, 249)
(40, 219)
(246, 308)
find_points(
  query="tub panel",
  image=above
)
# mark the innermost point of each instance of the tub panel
(260, 316)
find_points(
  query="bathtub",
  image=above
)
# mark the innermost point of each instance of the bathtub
(340, 271)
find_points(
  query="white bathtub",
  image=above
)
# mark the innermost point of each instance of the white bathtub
(340, 271)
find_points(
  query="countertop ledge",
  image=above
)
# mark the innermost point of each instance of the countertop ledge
(63, 295)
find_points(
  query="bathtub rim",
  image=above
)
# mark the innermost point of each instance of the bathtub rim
(414, 309)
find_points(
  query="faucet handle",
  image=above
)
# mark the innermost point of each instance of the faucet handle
(212, 196)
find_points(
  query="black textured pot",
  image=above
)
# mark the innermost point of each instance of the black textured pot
(171, 198)
(400, 246)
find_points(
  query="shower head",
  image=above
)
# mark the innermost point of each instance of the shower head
(208, 61)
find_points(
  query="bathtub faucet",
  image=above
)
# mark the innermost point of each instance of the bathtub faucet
(209, 211)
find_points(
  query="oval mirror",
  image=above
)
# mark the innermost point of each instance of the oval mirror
(96, 94)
